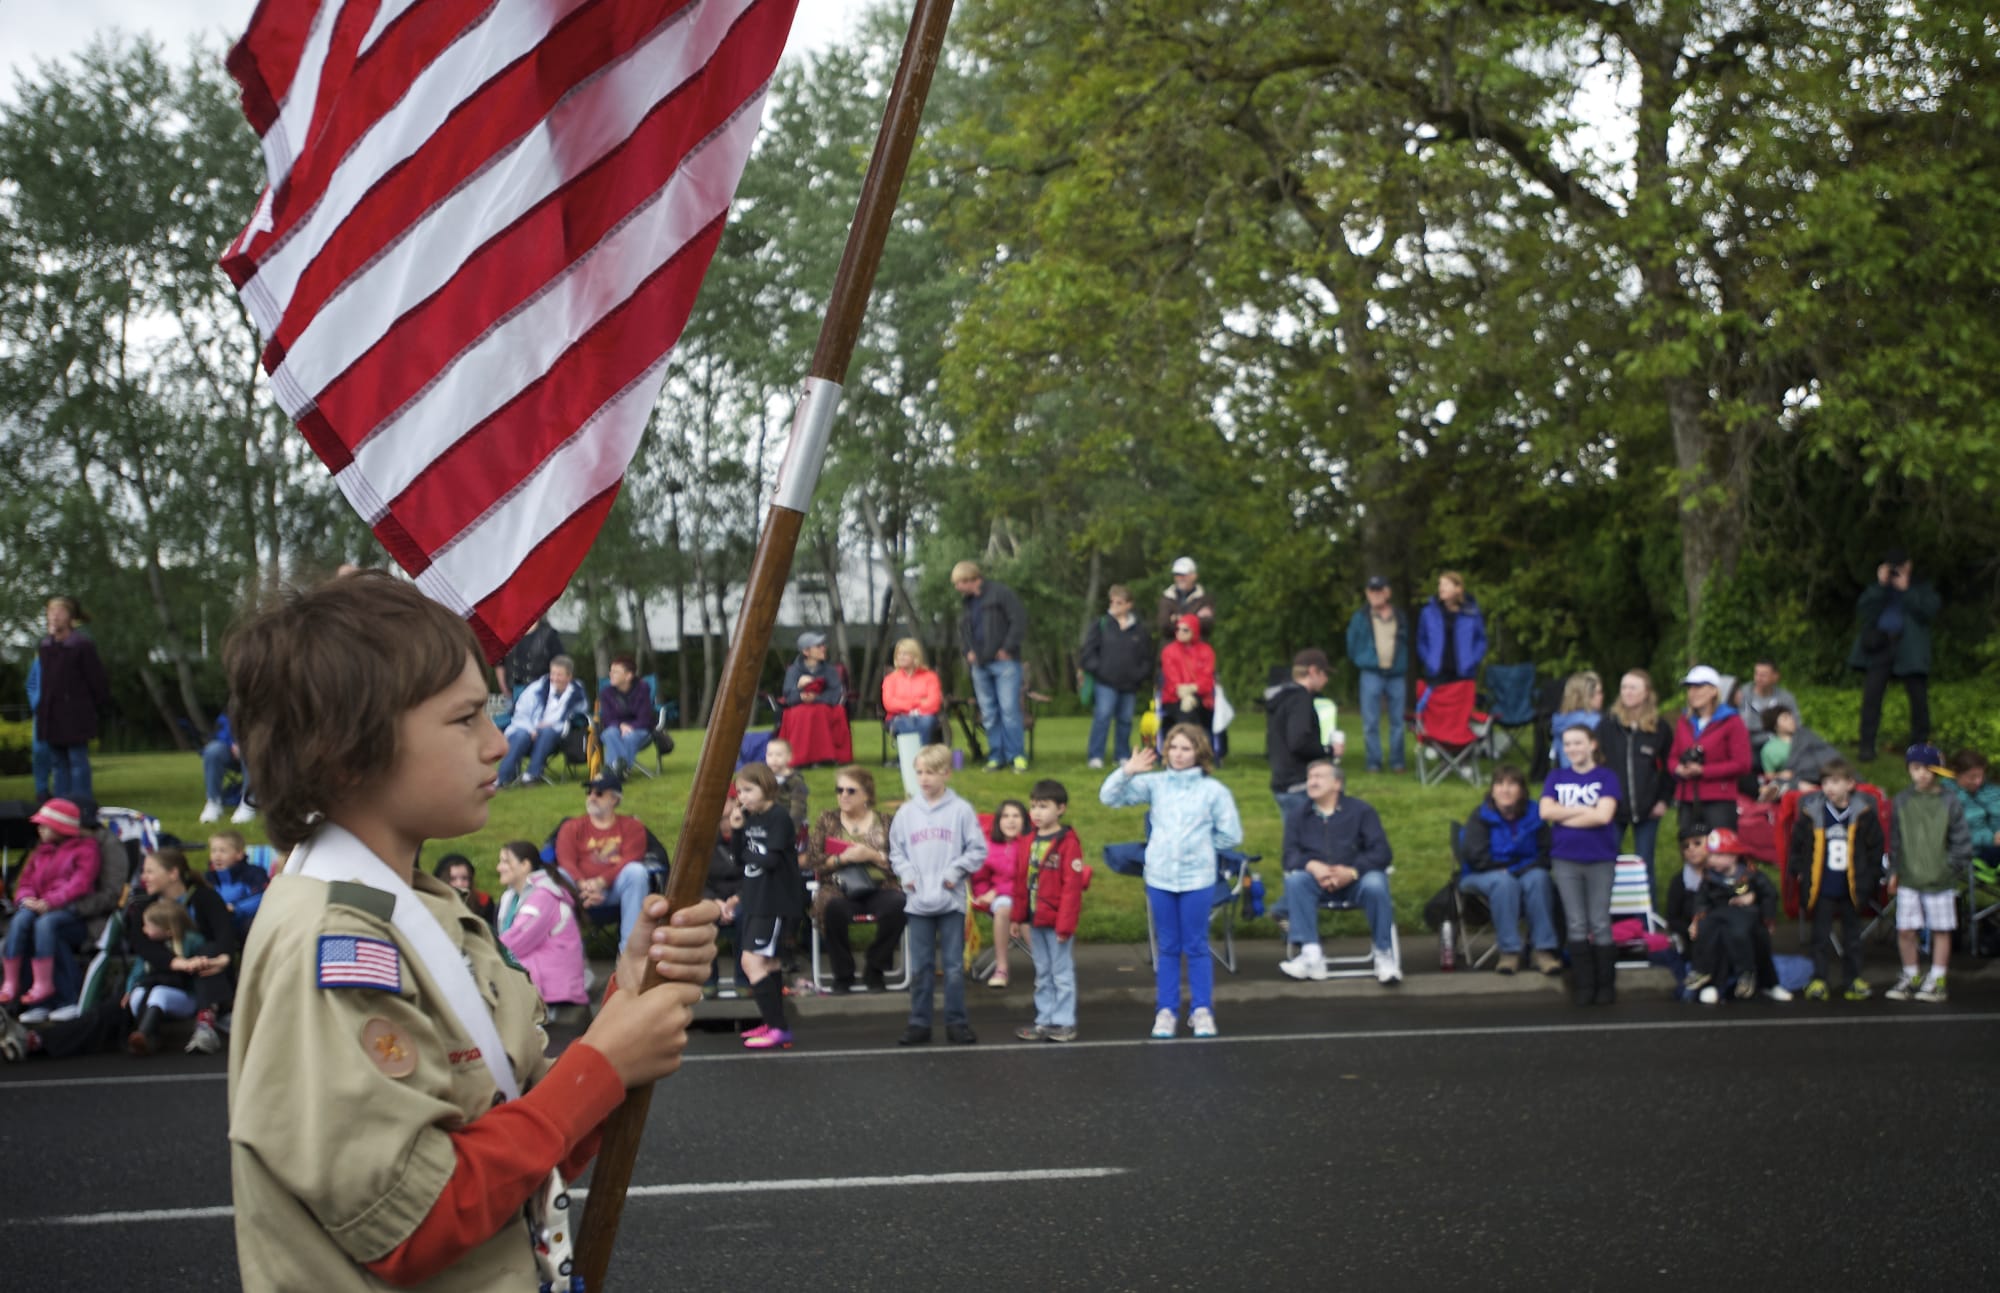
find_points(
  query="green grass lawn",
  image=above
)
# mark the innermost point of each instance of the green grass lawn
(1418, 820)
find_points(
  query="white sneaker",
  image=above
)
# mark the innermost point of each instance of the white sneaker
(1095, 764)
(65, 1014)
(1777, 992)
(244, 813)
(1164, 1024)
(211, 812)
(1388, 968)
(206, 1041)
(1202, 1021)
(1710, 996)
(36, 1015)
(1308, 964)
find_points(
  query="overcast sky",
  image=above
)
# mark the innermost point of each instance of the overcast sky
(33, 31)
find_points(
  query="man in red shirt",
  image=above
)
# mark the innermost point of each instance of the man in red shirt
(603, 851)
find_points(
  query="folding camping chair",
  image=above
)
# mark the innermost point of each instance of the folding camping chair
(1510, 690)
(1361, 965)
(1477, 937)
(1226, 898)
(1982, 906)
(1449, 732)
(1632, 896)
(819, 971)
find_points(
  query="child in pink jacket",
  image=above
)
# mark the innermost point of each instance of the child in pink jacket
(538, 924)
(62, 869)
(1007, 841)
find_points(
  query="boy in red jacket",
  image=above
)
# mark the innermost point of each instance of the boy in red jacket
(1050, 888)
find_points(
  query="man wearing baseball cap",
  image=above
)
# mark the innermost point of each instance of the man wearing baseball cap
(1378, 645)
(1711, 751)
(1184, 596)
(604, 852)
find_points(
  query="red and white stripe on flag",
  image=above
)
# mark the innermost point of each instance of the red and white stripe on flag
(485, 226)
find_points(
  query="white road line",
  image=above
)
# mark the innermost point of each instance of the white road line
(797, 1184)
(1702, 1024)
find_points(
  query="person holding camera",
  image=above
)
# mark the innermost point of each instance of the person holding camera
(1711, 752)
(1893, 640)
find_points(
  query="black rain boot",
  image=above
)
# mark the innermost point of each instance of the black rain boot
(1582, 974)
(1606, 956)
(145, 1037)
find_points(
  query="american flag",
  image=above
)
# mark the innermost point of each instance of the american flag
(485, 226)
(359, 963)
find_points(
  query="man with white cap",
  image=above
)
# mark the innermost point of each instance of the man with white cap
(1711, 751)
(1185, 596)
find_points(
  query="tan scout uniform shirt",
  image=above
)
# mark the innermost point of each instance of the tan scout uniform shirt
(334, 1158)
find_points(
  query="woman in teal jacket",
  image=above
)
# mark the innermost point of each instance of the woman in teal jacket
(1193, 816)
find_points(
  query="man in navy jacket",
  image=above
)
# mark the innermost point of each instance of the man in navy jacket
(1335, 849)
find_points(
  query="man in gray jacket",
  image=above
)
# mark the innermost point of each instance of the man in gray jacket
(990, 634)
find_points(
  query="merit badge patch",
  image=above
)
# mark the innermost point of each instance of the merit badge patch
(346, 962)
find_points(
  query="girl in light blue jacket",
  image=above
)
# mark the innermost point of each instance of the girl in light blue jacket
(1193, 815)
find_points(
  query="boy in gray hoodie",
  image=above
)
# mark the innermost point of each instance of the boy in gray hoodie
(934, 844)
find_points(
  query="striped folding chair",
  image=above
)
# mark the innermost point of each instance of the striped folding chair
(1632, 896)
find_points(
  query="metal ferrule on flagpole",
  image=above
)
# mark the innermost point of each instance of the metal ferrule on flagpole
(812, 428)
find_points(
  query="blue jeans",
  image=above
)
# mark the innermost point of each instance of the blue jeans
(1645, 839)
(621, 748)
(172, 1002)
(38, 935)
(1289, 802)
(1506, 895)
(216, 761)
(1180, 927)
(1382, 693)
(1055, 978)
(1370, 893)
(930, 937)
(926, 726)
(1109, 708)
(44, 764)
(69, 776)
(998, 689)
(623, 899)
(537, 746)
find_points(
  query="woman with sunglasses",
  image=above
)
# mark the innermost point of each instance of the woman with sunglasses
(852, 834)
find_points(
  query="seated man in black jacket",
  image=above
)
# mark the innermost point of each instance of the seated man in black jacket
(1335, 848)
(1291, 729)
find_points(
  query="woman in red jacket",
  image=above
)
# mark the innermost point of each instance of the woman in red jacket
(1187, 678)
(1711, 751)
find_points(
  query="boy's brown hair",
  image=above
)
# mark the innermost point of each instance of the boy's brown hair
(234, 839)
(318, 682)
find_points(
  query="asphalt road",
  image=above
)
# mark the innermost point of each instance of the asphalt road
(1501, 1143)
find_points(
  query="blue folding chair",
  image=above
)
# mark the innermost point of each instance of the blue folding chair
(1232, 876)
(1510, 703)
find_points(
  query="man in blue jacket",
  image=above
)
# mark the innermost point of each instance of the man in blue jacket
(1378, 642)
(1335, 848)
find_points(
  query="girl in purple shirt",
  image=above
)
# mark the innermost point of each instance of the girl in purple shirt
(1581, 806)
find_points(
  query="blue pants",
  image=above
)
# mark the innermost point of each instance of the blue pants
(44, 765)
(621, 748)
(1055, 978)
(1507, 895)
(997, 686)
(1382, 694)
(623, 899)
(1109, 709)
(172, 1002)
(1370, 893)
(56, 935)
(1645, 839)
(216, 761)
(69, 773)
(537, 746)
(1289, 802)
(1180, 927)
(926, 726)
(932, 937)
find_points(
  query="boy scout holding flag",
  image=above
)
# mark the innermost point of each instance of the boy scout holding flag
(391, 1111)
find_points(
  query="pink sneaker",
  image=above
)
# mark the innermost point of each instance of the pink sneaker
(758, 1031)
(771, 1039)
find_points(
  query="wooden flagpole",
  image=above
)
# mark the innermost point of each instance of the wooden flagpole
(770, 567)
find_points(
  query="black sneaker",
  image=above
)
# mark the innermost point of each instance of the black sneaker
(841, 987)
(914, 1036)
(960, 1034)
(875, 981)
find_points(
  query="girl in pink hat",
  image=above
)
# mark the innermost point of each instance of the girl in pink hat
(62, 869)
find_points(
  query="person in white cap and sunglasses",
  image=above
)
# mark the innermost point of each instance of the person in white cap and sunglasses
(1711, 752)
(1184, 596)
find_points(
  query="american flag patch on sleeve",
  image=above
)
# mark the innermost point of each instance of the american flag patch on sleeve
(346, 962)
